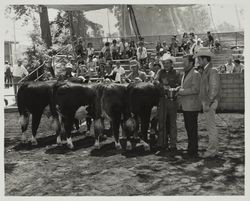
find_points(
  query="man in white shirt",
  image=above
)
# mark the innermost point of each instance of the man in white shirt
(142, 54)
(230, 66)
(119, 72)
(19, 71)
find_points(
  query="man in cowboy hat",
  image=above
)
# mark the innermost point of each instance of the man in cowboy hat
(209, 96)
(190, 103)
(167, 78)
(136, 73)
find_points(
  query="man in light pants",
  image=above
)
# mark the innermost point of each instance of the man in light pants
(209, 96)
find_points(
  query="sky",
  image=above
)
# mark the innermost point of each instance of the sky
(220, 13)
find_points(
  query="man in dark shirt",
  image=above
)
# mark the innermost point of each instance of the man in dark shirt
(167, 78)
(210, 39)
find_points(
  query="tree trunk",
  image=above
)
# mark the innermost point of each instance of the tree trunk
(72, 30)
(45, 28)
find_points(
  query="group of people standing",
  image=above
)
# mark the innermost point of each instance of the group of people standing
(196, 91)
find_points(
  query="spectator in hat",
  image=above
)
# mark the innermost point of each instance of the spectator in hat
(209, 96)
(136, 73)
(239, 68)
(142, 54)
(167, 78)
(19, 71)
(190, 103)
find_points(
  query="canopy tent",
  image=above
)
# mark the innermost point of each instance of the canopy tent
(87, 7)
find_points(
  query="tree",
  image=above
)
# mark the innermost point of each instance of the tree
(28, 13)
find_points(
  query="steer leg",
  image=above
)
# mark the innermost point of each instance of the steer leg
(88, 121)
(116, 121)
(24, 122)
(77, 127)
(98, 127)
(36, 118)
(68, 124)
(145, 118)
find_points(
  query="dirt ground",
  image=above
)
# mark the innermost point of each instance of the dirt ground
(50, 170)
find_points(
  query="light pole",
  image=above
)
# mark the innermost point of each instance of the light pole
(14, 28)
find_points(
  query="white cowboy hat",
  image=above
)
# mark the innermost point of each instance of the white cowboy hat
(69, 65)
(204, 51)
(167, 56)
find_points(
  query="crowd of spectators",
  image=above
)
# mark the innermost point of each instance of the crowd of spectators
(87, 62)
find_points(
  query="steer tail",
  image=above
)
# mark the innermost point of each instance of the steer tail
(52, 105)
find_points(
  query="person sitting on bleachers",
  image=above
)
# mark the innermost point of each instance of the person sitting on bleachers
(132, 49)
(106, 51)
(101, 70)
(114, 50)
(136, 73)
(158, 47)
(185, 40)
(230, 65)
(123, 45)
(117, 73)
(142, 54)
(239, 68)
(80, 50)
(217, 46)
(174, 48)
(222, 69)
(153, 70)
(165, 47)
(90, 50)
(210, 39)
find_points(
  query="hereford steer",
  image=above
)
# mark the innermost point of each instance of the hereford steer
(32, 98)
(142, 97)
(111, 103)
(71, 101)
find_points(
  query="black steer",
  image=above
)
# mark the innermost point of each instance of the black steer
(69, 98)
(142, 97)
(111, 103)
(32, 98)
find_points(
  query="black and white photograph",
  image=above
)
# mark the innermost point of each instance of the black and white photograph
(124, 99)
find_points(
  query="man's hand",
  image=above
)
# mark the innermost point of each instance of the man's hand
(205, 107)
(179, 91)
